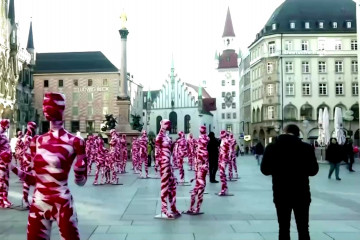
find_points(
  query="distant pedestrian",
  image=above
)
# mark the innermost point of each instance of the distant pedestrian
(213, 150)
(259, 152)
(349, 150)
(334, 154)
(290, 162)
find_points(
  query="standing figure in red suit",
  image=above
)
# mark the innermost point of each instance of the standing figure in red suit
(232, 144)
(142, 143)
(168, 180)
(233, 156)
(180, 154)
(5, 159)
(124, 153)
(90, 152)
(191, 151)
(134, 154)
(223, 159)
(202, 169)
(100, 160)
(19, 148)
(54, 153)
(28, 160)
(114, 155)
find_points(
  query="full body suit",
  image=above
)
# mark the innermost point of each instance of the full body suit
(114, 155)
(124, 153)
(223, 159)
(55, 152)
(101, 156)
(180, 154)
(90, 152)
(142, 143)
(168, 180)
(135, 154)
(19, 147)
(202, 170)
(232, 157)
(5, 159)
(191, 151)
(27, 159)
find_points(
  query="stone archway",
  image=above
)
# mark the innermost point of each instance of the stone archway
(262, 136)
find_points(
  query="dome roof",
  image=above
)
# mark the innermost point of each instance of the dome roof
(311, 16)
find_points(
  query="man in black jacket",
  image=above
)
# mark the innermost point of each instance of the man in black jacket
(290, 162)
(213, 150)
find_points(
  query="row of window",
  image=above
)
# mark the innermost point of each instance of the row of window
(322, 67)
(228, 115)
(223, 82)
(90, 97)
(323, 89)
(223, 105)
(90, 110)
(90, 126)
(76, 83)
(320, 25)
(174, 127)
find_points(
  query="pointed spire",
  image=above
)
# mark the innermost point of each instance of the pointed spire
(228, 29)
(11, 13)
(200, 91)
(216, 55)
(148, 95)
(172, 76)
(30, 43)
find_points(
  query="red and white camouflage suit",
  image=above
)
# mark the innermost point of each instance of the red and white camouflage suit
(233, 156)
(143, 142)
(107, 166)
(168, 180)
(223, 159)
(202, 169)
(90, 150)
(100, 160)
(19, 147)
(28, 159)
(54, 154)
(191, 151)
(5, 159)
(114, 155)
(180, 154)
(156, 167)
(135, 154)
(174, 155)
(232, 144)
(124, 153)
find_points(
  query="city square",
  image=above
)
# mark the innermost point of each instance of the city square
(127, 211)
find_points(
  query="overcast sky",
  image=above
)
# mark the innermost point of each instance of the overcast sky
(191, 30)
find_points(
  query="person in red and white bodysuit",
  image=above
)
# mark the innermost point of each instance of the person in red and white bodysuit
(5, 159)
(54, 154)
(19, 148)
(142, 153)
(223, 159)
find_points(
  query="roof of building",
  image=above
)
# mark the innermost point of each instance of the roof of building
(205, 94)
(228, 28)
(312, 12)
(228, 59)
(153, 94)
(30, 43)
(73, 62)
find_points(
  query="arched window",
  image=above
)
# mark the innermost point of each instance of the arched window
(173, 120)
(187, 123)
(306, 112)
(258, 115)
(343, 109)
(355, 109)
(290, 112)
(322, 106)
(158, 120)
(253, 116)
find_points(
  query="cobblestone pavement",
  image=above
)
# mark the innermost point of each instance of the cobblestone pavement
(126, 212)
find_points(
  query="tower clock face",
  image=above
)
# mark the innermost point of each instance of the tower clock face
(228, 99)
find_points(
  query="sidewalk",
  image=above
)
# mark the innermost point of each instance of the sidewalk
(126, 212)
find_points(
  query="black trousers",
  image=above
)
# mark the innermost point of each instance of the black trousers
(351, 162)
(149, 160)
(213, 167)
(301, 212)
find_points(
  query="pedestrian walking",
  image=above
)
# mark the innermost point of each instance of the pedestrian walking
(213, 150)
(290, 162)
(334, 154)
(349, 150)
(259, 152)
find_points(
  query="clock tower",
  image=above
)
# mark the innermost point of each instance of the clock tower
(226, 85)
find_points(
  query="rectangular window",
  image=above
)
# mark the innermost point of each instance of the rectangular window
(270, 89)
(61, 83)
(292, 25)
(307, 25)
(105, 110)
(269, 68)
(338, 66)
(75, 126)
(355, 89)
(348, 24)
(322, 67)
(290, 89)
(271, 112)
(75, 111)
(233, 94)
(273, 26)
(289, 67)
(76, 82)
(334, 24)
(305, 67)
(223, 115)
(321, 24)
(90, 111)
(105, 82)
(271, 47)
(306, 89)
(90, 82)
(222, 94)
(222, 82)
(228, 115)
(233, 82)
(304, 45)
(229, 127)
(75, 97)
(234, 115)
(339, 89)
(323, 89)
(106, 96)
(90, 126)
(321, 45)
(46, 83)
(223, 105)
(338, 45)
(90, 97)
(353, 44)
(233, 105)
(288, 45)
(354, 66)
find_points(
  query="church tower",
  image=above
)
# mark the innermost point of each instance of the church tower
(226, 85)
(30, 46)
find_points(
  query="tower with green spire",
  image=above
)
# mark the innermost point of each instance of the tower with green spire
(172, 81)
